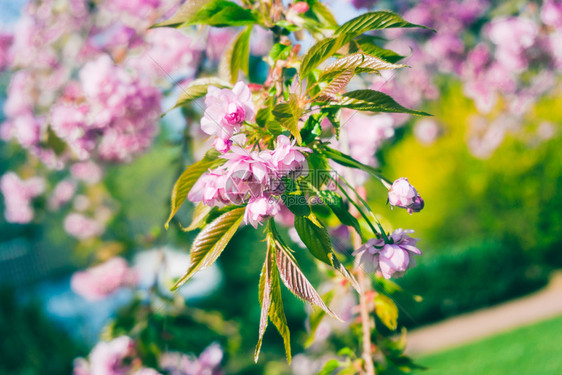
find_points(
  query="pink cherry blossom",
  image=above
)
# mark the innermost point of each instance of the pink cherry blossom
(248, 172)
(82, 227)
(404, 195)
(260, 209)
(104, 279)
(392, 259)
(288, 159)
(227, 110)
(18, 195)
(210, 189)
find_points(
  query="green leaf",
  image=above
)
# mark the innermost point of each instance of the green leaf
(197, 89)
(324, 14)
(184, 14)
(312, 128)
(367, 44)
(374, 101)
(279, 52)
(222, 13)
(386, 310)
(288, 114)
(338, 84)
(318, 242)
(329, 367)
(211, 241)
(338, 207)
(199, 217)
(294, 279)
(294, 199)
(358, 63)
(188, 178)
(373, 21)
(319, 52)
(236, 57)
(271, 302)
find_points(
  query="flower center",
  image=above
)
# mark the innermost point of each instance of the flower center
(236, 115)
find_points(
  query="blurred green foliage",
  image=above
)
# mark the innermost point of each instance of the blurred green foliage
(31, 344)
(467, 277)
(491, 227)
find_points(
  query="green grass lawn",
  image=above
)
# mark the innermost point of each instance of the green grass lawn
(531, 350)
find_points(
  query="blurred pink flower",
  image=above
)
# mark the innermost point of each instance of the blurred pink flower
(138, 8)
(20, 96)
(109, 357)
(18, 194)
(551, 13)
(427, 131)
(124, 108)
(5, 44)
(181, 364)
(104, 279)
(62, 193)
(512, 36)
(167, 52)
(82, 227)
(87, 171)
(218, 41)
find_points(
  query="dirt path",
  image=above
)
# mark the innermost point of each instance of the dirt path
(486, 322)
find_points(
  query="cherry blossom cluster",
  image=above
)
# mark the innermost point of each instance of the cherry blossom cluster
(85, 91)
(514, 62)
(120, 356)
(251, 177)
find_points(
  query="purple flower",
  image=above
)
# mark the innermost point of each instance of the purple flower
(404, 195)
(102, 280)
(260, 209)
(227, 110)
(392, 258)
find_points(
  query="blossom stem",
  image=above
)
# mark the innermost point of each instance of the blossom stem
(365, 320)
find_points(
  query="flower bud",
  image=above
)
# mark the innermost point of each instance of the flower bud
(404, 195)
